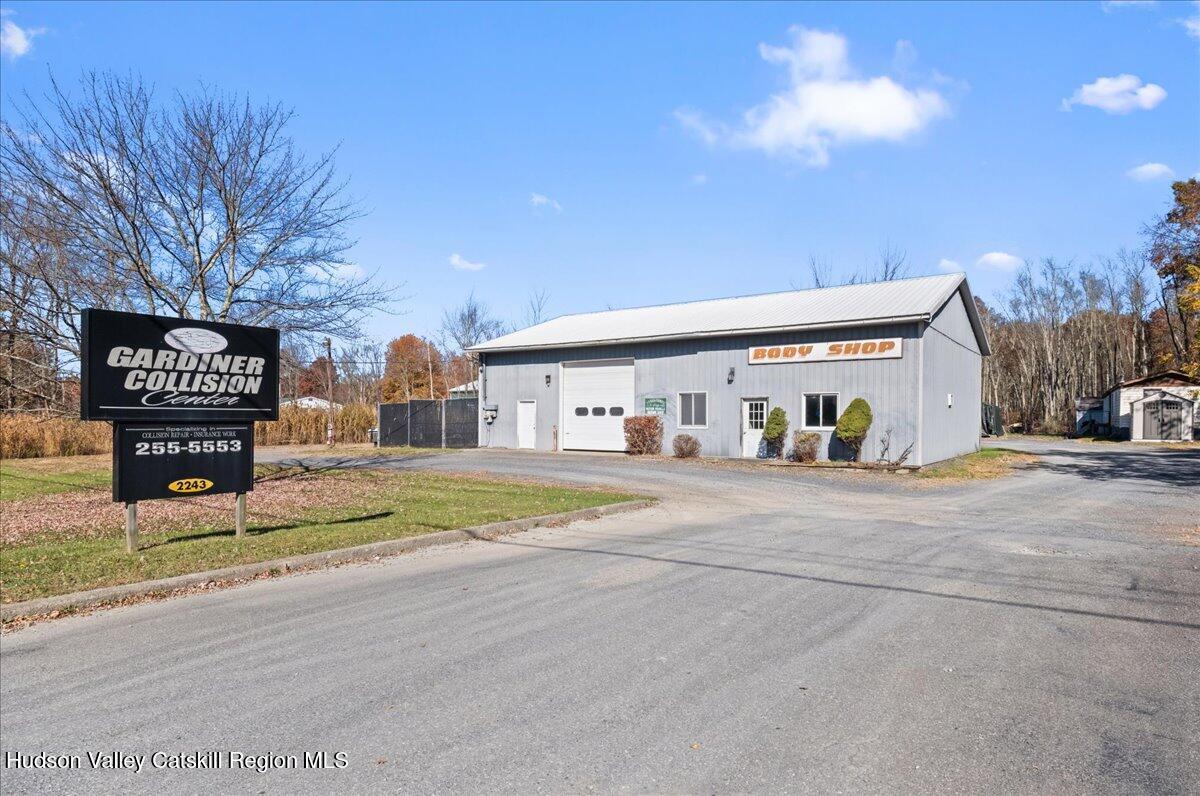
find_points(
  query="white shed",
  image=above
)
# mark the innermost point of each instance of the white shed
(1161, 406)
(1163, 416)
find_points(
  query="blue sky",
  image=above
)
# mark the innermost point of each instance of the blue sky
(685, 151)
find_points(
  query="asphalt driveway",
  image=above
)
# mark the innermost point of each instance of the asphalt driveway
(762, 629)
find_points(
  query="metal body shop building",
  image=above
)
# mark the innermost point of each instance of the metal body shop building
(913, 348)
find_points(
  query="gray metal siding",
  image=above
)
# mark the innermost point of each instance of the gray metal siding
(669, 367)
(951, 364)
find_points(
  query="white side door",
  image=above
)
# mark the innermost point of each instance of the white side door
(754, 419)
(527, 424)
(597, 396)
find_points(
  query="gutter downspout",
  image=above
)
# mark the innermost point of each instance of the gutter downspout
(920, 393)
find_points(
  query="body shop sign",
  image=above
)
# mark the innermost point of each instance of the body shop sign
(884, 348)
(146, 367)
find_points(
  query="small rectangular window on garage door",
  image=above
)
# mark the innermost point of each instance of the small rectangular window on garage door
(693, 410)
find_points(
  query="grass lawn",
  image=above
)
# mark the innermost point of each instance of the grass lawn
(23, 478)
(984, 463)
(78, 537)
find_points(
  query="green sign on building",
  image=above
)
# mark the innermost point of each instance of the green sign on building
(656, 406)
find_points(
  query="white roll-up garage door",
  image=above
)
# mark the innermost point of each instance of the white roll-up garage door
(597, 397)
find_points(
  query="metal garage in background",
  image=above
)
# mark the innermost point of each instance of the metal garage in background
(715, 369)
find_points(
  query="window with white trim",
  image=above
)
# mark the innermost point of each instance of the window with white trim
(820, 409)
(693, 410)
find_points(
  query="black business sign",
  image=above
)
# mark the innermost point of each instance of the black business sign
(159, 460)
(146, 367)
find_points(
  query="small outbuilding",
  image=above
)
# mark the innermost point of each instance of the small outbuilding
(1089, 415)
(1161, 407)
(1163, 416)
(912, 348)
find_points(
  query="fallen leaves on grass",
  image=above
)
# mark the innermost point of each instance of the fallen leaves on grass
(90, 514)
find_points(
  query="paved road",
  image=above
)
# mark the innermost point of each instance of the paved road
(766, 629)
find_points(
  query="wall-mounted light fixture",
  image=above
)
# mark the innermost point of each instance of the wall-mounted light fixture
(547, 379)
(730, 379)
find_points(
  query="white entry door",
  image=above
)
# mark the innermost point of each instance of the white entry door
(754, 419)
(527, 424)
(597, 396)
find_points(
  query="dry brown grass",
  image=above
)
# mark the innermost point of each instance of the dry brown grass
(29, 436)
(26, 436)
(982, 464)
(298, 426)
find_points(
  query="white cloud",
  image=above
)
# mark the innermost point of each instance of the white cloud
(826, 104)
(346, 271)
(694, 123)
(948, 265)
(15, 40)
(541, 200)
(1192, 24)
(461, 263)
(904, 58)
(999, 261)
(1120, 94)
(1150, 171)
(699, 179)
(336, 271)
(1114, 5)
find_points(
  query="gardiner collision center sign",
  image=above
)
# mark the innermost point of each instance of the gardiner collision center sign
(146, 367)
(881, 348)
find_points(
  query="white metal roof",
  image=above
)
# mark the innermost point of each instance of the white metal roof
(872, 303)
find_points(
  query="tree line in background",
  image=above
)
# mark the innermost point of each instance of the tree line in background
(1066, 331)
(406, 368)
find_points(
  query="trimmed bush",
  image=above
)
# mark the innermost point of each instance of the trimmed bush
(686, 446)
(775, 431)
(853, 425)
(805, 446)
(643, 434)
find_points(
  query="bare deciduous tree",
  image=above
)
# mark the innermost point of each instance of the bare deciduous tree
(535, 307)
(1066, 331)
(469, 324)
(820, 271)
(361, 366)
(200, 207)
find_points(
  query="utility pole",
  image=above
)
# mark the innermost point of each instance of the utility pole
(329, 391)
(429, 364)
